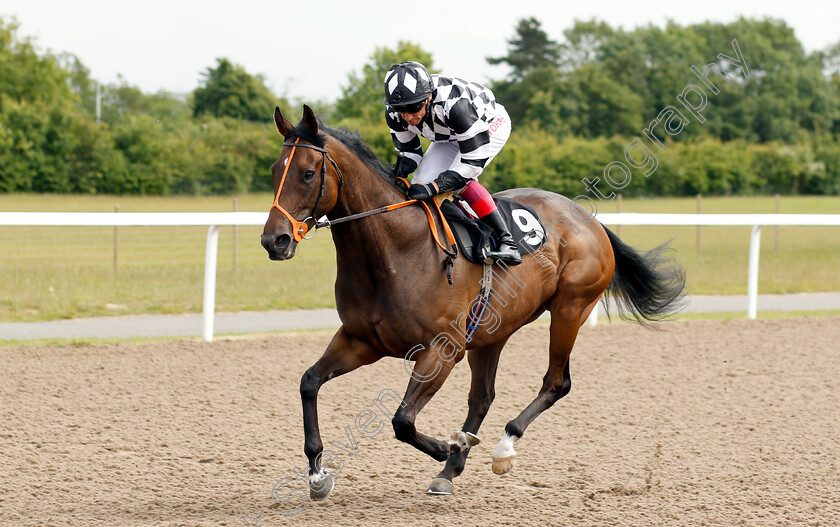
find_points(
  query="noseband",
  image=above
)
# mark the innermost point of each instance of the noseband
(300, 228)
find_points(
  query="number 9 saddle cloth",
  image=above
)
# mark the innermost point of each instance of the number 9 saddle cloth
(474, 237)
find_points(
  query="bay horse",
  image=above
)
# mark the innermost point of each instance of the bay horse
(394, 300)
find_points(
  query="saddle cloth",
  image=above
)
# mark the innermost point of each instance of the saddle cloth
(474, 237)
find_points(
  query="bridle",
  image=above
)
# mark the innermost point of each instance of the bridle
(301, 228)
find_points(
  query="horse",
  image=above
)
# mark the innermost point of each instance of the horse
(394, 300)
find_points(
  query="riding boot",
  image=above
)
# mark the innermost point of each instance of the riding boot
(508, 252)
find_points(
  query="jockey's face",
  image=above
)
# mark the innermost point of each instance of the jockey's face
(414, 118)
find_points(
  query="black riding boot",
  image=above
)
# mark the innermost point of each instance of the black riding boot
(508, 252)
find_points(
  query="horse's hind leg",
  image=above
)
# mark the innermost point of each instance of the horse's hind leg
(565, 322)
(483, 365)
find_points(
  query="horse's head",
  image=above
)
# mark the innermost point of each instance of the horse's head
(306, 185)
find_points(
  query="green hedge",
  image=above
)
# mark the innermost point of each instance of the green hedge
(60, 149)
(707, 166)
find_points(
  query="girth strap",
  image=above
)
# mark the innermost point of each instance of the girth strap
(483, 300)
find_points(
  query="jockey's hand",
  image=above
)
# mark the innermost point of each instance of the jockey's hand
(403, 167)
(450, 181)
(422, 192)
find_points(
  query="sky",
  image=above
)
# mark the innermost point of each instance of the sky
(305, 49)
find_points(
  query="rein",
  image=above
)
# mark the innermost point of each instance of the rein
(388, 208)
(301, 228)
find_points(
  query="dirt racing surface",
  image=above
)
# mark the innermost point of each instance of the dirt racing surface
(703, 423)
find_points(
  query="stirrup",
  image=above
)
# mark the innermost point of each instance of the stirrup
(511, 257)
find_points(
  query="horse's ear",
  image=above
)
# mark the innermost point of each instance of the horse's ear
(309, 119)
(283, 126)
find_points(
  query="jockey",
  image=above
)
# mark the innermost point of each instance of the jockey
(467, 128)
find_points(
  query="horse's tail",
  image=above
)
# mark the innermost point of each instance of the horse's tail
(647, 287)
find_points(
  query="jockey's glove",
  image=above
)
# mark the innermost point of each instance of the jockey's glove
(421, 192)
(403, 167)
(447, 181)
(450, 181)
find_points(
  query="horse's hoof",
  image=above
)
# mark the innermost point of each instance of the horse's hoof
(501, 465)
(322, 489)
(463, 440)
(440, 487)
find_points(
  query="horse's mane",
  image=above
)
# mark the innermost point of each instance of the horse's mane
(348, 138)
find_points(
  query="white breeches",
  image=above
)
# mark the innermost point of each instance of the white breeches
(441, 157)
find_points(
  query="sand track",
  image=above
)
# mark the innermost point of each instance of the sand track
(716, 423)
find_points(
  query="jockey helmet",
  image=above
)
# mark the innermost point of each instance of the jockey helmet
(407, 85)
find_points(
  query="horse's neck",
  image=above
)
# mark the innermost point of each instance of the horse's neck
(363, 189)
(375, 247)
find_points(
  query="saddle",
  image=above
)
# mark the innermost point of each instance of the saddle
(474, 238)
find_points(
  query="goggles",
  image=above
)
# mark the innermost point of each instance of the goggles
(410, 108)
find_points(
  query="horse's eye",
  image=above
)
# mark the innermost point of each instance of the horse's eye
(307, 177)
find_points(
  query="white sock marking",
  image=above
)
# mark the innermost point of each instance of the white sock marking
(505, 447)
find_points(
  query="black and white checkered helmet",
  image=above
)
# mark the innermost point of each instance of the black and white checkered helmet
(407, 83)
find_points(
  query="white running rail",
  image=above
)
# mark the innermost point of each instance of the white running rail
(151, 219)
(214, 220)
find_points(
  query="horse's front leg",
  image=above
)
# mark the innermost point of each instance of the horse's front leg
(344, 354)
(429, 373)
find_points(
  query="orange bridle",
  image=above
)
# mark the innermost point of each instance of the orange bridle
(301, 228)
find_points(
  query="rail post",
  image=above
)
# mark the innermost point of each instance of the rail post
(752, 273)
(235, 234)
(210, 258)
(699, 210)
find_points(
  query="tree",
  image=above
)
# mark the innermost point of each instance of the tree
(122, 99)
(786, 94)
(25, 75)
(539, 97)
(78, 77)
(604, 107)
(229, 91)
(362, 98)
(584, 43)
(830, 58)
(528, 50)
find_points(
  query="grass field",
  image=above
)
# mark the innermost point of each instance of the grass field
(66, 272)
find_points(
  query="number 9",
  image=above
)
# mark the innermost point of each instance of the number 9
(529, 225)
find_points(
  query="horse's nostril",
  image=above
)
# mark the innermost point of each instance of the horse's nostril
(282, 241)
(275, 244)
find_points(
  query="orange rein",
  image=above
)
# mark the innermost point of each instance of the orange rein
(300, 228)
(431, 218)
(432, 227)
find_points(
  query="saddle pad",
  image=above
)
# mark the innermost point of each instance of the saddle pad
(474, 236)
